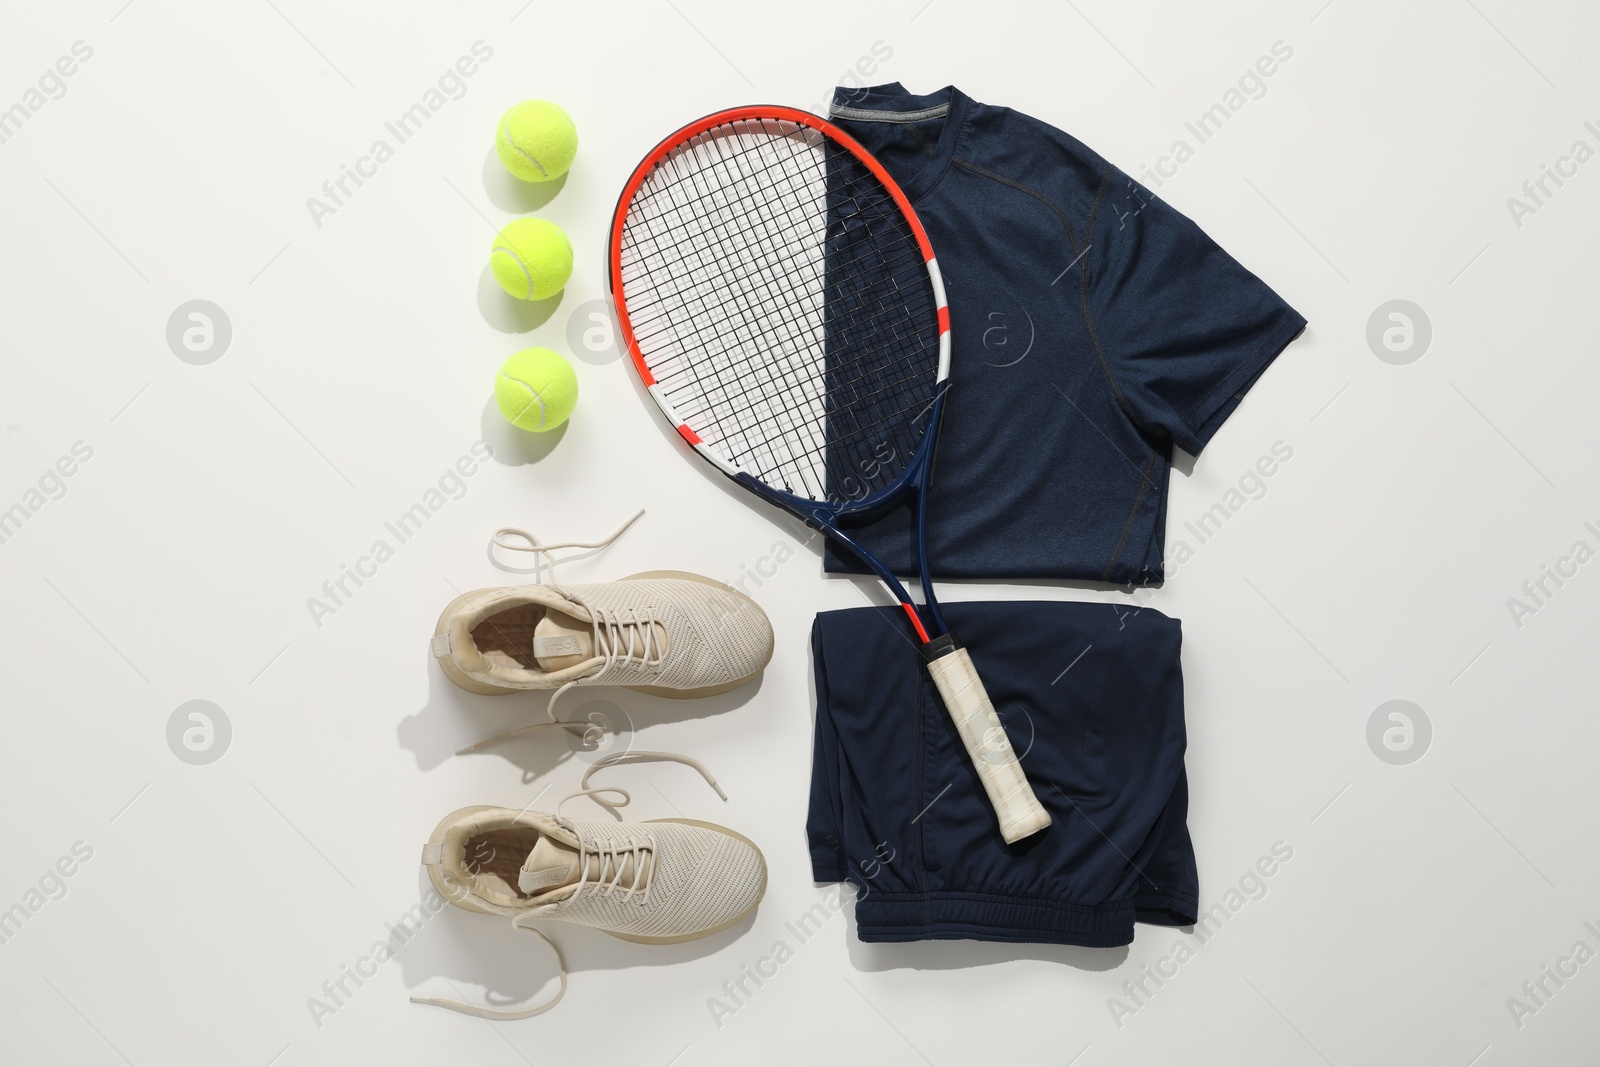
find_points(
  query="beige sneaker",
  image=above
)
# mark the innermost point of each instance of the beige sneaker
(669, 633)
(655, 883)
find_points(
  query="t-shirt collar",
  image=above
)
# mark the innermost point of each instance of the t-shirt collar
(891, 103)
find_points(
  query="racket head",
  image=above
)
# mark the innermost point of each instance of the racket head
(781, 303)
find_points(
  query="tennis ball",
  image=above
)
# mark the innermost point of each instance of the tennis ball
(536, 389)
(531, 259)
(536, 141)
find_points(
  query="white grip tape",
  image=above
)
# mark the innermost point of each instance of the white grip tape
(1019, 811)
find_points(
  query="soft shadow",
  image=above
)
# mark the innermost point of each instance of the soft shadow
(510, 193)
(511, 446)
(954, 955)
(453, 718)
(497, 968)
(508, 314)
(959, 955)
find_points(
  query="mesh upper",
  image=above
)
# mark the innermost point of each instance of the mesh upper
(714, 636)
(701, 878)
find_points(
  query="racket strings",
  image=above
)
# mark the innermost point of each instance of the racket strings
(689, 398)
(885, 209)
(909, 257)
(784, 307)
(701, 221)
(761, 289)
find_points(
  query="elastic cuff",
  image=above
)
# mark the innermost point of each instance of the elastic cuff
(986, 917)
(1166, 910)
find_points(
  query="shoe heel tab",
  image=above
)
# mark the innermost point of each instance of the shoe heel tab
(440, 645)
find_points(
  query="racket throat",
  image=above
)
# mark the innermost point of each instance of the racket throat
(922, 631)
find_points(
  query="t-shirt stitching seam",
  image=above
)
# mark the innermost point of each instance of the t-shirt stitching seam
(927, 146)
(1088, 315)
(1060, 215)
(1088, 318)
(1145, 482)
(1083, 270)
(1116, 391)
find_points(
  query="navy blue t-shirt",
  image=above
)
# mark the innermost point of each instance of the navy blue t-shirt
(1093, 328)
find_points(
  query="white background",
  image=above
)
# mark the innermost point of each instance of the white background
(219, 498)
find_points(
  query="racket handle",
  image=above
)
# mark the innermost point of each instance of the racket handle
(1019, 811)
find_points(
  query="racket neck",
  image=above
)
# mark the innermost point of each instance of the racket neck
(924, 490)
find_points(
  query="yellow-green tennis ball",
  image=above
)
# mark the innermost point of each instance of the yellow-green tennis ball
(531, 259)
(536, 141)
(536, 389)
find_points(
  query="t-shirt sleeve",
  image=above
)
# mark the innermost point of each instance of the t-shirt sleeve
(1183, 329)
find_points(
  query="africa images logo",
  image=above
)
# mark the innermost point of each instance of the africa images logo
(1008, 334)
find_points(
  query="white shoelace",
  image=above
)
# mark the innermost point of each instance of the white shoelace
(611, 632)
(618, 851)
(641, 851)
(543, 560)
(614, 635)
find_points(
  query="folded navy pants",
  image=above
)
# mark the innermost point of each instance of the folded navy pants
(1091, 696)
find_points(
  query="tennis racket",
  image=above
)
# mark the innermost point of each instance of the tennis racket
(782, 305)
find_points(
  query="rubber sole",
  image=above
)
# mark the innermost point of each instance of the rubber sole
(459, 899)
(473, 685)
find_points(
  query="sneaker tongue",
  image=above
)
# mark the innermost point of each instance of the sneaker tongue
(550, 865)
(553, 865)
(561, 641)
